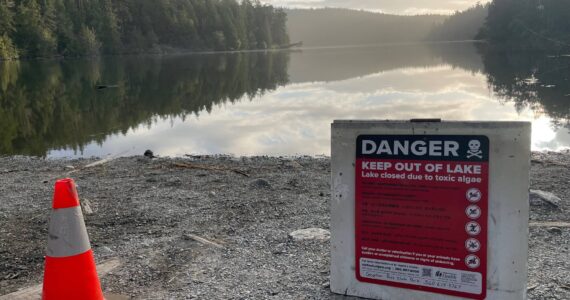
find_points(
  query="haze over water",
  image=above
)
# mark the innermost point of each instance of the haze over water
(267, 103)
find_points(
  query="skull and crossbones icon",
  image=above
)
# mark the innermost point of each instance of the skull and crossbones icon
(474, 149)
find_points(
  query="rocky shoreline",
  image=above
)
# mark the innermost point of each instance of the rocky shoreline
(218, 227)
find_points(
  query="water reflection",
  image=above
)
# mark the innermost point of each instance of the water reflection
(275, 103)
(54, 105)
(534, 80)
(334, 64)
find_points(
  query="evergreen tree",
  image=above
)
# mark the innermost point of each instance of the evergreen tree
(43, 28)
(6, 18)
(278, 31)
(31, 35)
(89, 44)
(528, 24)
(7, 48)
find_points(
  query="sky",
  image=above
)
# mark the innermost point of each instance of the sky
(407, 7)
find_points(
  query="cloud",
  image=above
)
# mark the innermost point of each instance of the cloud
(409, 7)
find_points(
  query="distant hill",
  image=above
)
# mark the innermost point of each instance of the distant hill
(334, 64)
(337, 27)
(463, 25)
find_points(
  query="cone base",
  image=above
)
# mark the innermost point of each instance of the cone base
(72, 277)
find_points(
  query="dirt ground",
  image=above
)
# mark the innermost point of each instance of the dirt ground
(149, 212)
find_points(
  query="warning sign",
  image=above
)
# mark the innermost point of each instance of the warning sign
(421, 212)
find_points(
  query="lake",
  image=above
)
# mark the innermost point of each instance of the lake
(269, 103)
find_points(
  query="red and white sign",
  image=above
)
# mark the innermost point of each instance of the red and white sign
(421, 212)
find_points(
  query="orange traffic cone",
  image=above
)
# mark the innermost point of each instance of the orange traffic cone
(69, 267)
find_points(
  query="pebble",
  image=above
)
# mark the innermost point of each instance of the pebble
(310, 234)
(151, 179)
(173, 182)
(557, 230)
(86, 207)
(538, 197)
(280, 249)
(260, 183)
(149, 154)
(106, 250)
(292, 164)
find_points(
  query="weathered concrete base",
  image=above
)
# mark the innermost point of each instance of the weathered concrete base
(509, 165)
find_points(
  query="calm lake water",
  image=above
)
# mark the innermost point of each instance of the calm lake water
(269, 103)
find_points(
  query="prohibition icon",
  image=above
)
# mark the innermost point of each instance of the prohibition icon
(473, 195)
(473, 228)
(472, 245)
(473, 212)
(472, 261)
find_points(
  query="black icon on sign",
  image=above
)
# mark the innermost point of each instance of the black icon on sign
(474, 149)
(473, 195)
(473, 228)
(472, 245)
(473, 211)
(472, 261)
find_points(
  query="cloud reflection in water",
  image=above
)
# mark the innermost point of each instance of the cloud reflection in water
(295, 119)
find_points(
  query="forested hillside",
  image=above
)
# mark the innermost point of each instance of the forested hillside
(333, 27)
(528, 25)
(462, 25)
(46, 28)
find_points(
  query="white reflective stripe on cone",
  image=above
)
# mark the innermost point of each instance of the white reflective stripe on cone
(67, 235)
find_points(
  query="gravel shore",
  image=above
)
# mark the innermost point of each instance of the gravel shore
(151, 214)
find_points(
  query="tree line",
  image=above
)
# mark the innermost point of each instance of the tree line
(47, 28)
(535, 25)
(507, 25)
